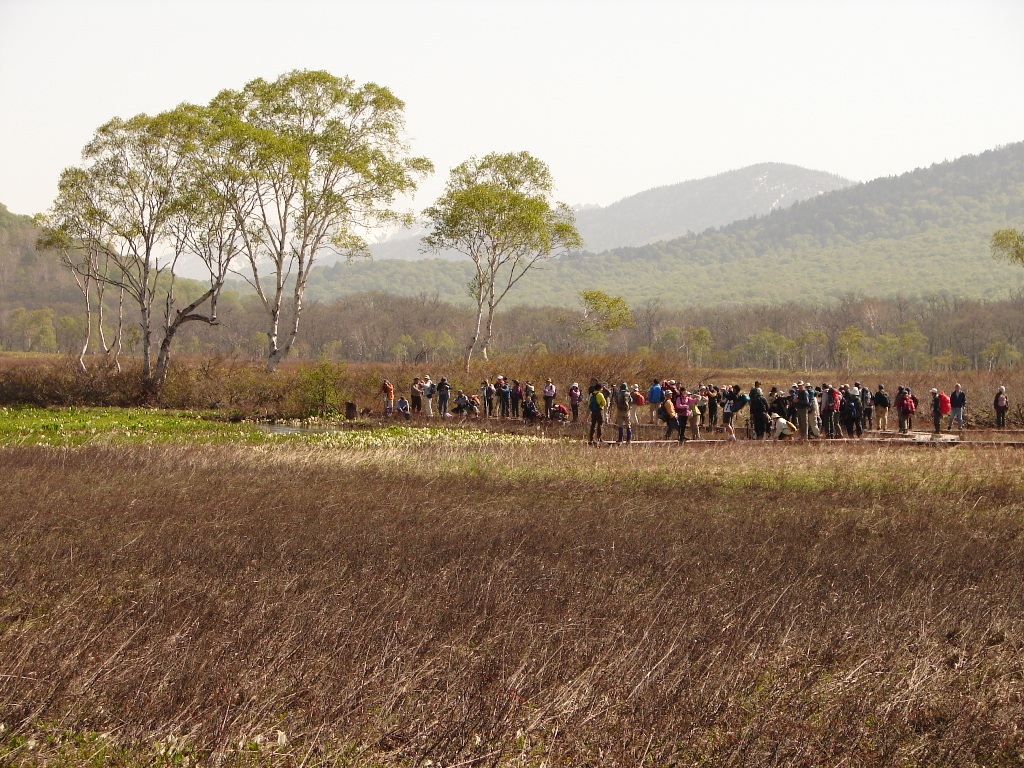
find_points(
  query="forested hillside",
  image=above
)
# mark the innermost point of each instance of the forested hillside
(668, 212)
(39, 300)
(924, 232)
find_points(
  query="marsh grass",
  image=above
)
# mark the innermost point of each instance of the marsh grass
(501, 603)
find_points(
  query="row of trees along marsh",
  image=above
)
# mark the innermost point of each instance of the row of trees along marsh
(937, 332)
(258, 184)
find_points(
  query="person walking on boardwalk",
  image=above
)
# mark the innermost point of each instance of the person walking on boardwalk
(941, 404)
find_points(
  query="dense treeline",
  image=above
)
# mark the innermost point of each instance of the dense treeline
(934, 332)
(41, 312)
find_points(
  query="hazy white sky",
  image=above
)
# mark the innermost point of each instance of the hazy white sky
(616, 97)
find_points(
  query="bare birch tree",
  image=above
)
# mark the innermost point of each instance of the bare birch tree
(150, 192)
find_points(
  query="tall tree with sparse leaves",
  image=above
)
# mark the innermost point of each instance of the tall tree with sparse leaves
(317, 161)
(498, 211)
(144, 199)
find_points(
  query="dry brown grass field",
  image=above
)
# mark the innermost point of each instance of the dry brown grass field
(496, 605)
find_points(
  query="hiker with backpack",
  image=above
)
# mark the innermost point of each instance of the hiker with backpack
(548, 392)
(444, 392)
(734, 403)
(531, 413)
(759, 411)
(575, 395)
(655, 395)
(700, 404)
(416, 395)
(504, 393)
(595, 405)
(667, 413)
(1001, 405)
(515, 397)
(905, 408)
(622, 401)
(487, 392)
(429, 390)
(685, 403)
(782, 427)
(849, 411)
(882, 403)
(940, 408)
(713, 403)
(829, 409)
(867, 407)
(638, 403)
(802, 410)
(387, 391)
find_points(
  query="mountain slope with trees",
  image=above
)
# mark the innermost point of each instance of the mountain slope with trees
(671, 211)
(926, 231)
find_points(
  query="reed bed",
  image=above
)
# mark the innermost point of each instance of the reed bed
(504, 604)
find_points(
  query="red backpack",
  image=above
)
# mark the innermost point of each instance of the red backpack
(944, 406)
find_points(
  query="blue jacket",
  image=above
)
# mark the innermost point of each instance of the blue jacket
(654, 394)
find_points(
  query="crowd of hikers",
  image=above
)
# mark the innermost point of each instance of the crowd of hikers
(802, 412)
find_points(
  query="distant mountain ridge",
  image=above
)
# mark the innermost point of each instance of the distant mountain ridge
(926, 231)
(664, 213)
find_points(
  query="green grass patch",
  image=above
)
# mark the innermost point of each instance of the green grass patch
(62, 427)
(81, 426)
